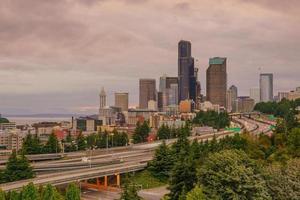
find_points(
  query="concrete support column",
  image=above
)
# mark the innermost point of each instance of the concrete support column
(118, 180)
(105, 181)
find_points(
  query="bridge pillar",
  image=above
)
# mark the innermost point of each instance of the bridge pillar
(105, 182)
(118, 180)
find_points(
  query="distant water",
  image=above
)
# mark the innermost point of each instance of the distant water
(32, 120)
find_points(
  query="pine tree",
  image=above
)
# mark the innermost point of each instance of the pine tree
(52, 145)
(164, 132)
(81, 142)
(32, 145)
(17, 168)
(162, 163)
(50, 193)
(196, 194)
(72, 192)
(29, 192)
(129, 192)
(141, 133)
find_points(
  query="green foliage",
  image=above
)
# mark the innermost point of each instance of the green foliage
(146, 180)
(231, 174)
(212, 118)
(52, 145)
(50, 193)
(72, 192)
(32, 145)
(196, 194)
(129, 191)
(162, 163)
(293, 142)
(141, 132)
(17, 168)
(13, 195)
(29, 192)
(81, 142)
(283, 181)
(2, 195)
(164, 132)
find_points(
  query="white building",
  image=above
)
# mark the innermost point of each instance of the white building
(255, 94)
(266, 87)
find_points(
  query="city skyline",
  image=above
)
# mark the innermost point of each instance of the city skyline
(46, 71)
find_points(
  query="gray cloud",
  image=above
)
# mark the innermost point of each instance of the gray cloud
(69, 47)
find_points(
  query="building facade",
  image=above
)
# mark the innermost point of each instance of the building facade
(121, 100)
(255, 94)
(216, 81)
(147, 92)
(245, 104)
(102, 96)
(186, 72)
(266, 87)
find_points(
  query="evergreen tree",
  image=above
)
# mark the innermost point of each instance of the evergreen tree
(29, 192)
(183, 176)
(293, 143)
(163, 132)
(81, 142)
(17, 168)
(196, 194)
(72, 192)
(162, 163)
(50, 193)
(52, 145)
(141, 133)
(2, 195)
(129, 192)
(32, 145)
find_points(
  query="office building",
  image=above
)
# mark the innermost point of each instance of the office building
(160, 101)
(245, 104)
(152, 105)
(255, 94)
(231, 97)
(11, 139)
(229, 103)
(186, 72)
(266, 87)
(87, 124)
(293, 95)
(121, 100)
(282, 95)
(147, 92)
(168, 86)
(216, 81)
(185, 106)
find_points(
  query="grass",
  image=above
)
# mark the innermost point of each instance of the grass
(146, 180)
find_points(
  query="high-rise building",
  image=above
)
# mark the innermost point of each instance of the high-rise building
(168, 86)
(245, 104)
(121, 100)
(266, 87)
(102, 98)
(255, 94)
(186, 72)
(232, 96)
(147, 92)
(159, 101)
(216, 81)
(282, 95)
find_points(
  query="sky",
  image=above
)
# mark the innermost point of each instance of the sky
(56, 55)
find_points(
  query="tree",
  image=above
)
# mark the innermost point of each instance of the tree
(231, 174)
(293, 142)
(29, 192)
(13, 195)
(3, 120)
(50, 193)
(91, 140)
(196, 194)
(81, 142)
(17, 168)
(129, 192)
(162, 163)
(183, 176)
(141, 132)
(52, 145)
(2, 195)
(32, 145)
(72, 192)
(164, 132)
(283, 182)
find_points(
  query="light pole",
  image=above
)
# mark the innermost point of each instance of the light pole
(112, 140)
(106, 141)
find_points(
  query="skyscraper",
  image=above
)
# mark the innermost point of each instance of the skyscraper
(186, 72)
(121, 100)
(147, 92)
(216, 81)
(233, 90)
(266, 87)
(168, 86)
(102, 98)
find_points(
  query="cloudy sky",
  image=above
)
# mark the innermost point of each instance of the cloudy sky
(55, 55)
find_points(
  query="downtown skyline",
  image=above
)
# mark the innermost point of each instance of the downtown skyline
(59, 66)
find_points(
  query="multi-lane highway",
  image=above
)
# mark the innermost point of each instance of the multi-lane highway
(109, 162)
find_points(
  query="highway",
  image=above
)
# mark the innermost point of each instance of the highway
(109, 162)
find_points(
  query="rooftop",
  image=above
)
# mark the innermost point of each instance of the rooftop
(217, 61)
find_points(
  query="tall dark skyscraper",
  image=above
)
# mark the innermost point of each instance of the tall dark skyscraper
(186, 72)
(216, 81)
(147, 92)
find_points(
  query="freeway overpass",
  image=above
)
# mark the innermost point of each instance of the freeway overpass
(113, 162)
